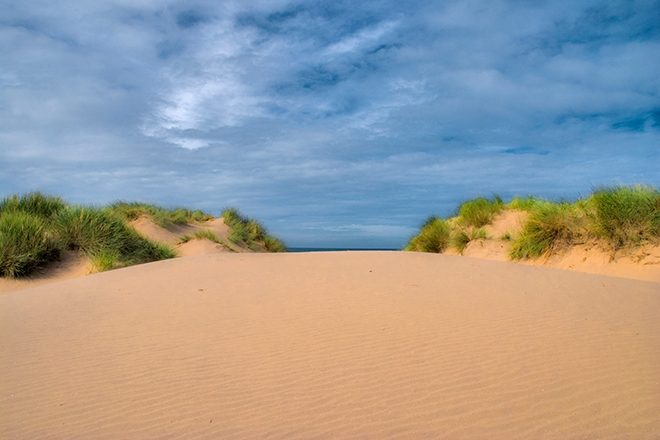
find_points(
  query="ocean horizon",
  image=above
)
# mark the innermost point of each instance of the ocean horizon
(328, 249)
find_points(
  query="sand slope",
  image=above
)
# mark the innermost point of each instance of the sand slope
(342, 345)
(172, 236)
(71, 265)
(642, 263)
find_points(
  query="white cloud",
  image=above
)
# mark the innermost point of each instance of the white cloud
(365, 38)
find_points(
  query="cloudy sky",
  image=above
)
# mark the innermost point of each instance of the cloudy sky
(336, 123)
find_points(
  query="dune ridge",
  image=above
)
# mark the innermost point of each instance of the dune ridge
(348, 344)
(642, 263)
(75, 264)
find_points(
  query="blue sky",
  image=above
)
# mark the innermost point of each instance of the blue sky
(335, 123)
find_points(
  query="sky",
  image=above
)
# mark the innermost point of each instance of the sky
(335, 123)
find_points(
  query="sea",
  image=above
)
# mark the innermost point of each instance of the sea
(315, 249)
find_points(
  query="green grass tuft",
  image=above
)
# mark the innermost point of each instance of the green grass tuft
(43, 206)
(549, 227)
(480, 211)
(104, 236)
(25, 243)
(627, 216)
(106, 259)
(459, 240)
(161, 216)
(274, 244)
(524, 203)
(433, 237)
(203, 234)
(249, 232)
(478, 234)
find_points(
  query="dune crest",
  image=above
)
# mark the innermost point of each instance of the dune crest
(642, 263)
(172, 235)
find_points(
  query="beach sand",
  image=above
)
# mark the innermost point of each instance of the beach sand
(332, 345)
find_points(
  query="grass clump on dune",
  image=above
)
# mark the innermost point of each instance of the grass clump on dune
(620, 217)
(26, 243)
(524, 203)
(626, 216)
(249, 232)
(434, 236)
(35, 229)
(205, 234)
(480, 211)
(106, 238)
(161, 216)
(35, 203)
(459, 239)
(550, 227)
(274, 244)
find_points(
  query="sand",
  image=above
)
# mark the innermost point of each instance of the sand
(71, 265)
(332, 345)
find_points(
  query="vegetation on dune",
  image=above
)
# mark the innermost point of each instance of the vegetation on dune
(249, 232)
(480, 211)
(459, 240)
(550, 227)
(434, 236)
(106, 238)
(36, 228)
(161, 216)
(274, 244)
(438, 234)
(626, 216)
(203, 234)
(35, 203)
(461, 237)
(26, 243)
(524, 203)
(623, 217)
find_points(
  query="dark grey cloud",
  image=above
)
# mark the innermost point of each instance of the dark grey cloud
(336, 123)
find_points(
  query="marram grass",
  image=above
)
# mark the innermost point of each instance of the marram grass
(105, 237)
(249, 232)
(26, 243)
(626, 216)
(35, 229)
(35, 203)
(550, 227)
(161, 216)
(622, 217)
(433, 237)
(480, 211)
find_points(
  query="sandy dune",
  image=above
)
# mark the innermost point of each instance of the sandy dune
(642, 263)
(173, 234)
(75, 265)
(343, 345)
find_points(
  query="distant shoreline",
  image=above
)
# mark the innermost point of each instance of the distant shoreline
(340, 249)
